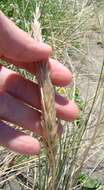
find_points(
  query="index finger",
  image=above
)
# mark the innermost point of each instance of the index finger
(18, 48)
(17, 45)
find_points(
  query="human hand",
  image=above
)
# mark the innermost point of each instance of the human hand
(19, 96)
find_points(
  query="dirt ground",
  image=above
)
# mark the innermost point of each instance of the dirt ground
(87, 73)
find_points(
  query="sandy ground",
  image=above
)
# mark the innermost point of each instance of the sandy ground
(89, 68)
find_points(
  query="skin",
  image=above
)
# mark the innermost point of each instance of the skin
(19, 96)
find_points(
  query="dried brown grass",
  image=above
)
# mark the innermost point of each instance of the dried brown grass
(48, 118)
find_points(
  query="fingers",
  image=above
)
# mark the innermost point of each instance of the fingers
(66, 109)
(18, 141)
(18, 48)
(29, 93)
(23, 89)
(59, 74)
(17, 45)
(14, 111)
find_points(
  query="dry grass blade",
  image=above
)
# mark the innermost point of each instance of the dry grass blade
(47, 101)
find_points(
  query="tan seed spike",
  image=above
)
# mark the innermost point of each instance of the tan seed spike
(47, 101)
